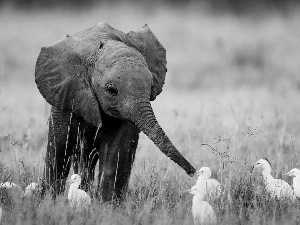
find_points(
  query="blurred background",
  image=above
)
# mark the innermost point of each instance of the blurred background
(232, 64)
(240, 42)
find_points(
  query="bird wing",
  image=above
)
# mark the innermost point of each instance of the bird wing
(296, 186)
(83, 197)
(213, 184)
(280, 188)
(283, 185)
(213, 188)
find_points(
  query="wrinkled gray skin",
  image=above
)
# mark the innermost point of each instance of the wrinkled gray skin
(100, 83)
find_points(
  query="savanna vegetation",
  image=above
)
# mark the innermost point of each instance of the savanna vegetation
(231, 97)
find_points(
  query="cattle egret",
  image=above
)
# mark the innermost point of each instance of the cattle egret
(13, 188)
(32, 189)
(296, 180)
(203, 212)
(10, 185)
(275, 187)
(77, 198)
(213, 188)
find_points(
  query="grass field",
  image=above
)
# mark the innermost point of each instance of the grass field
(232, 83)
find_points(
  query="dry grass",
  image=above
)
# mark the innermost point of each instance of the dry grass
(233, 83)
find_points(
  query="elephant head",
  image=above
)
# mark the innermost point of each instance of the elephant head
(103, 70)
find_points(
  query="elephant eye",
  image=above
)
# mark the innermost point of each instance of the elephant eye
(111, 89)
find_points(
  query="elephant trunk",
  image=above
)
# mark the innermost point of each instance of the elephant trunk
(145, 120)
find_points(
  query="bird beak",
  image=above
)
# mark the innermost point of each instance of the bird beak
(198, 172)
(188, 190)
(251, 170)
(252, 167)
(288, 174)
(254, 164)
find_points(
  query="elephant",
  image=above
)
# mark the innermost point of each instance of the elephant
(99, 83)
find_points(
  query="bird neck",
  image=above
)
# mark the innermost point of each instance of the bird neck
(72, 190)
(198, 197)
(266, 169)
(201, 180)
(267, 175)
(296, 180)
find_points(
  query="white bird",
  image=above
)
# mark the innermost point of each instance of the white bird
(213, 188)
(10, 185)
(275, 187)
(77, 198)
(13, 188)
(296, 180)
(33, 189)
(203, 212)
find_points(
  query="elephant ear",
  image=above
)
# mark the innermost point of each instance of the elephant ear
(62, 72)
(155, 55)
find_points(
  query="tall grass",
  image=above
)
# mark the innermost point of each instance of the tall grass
(231, 97)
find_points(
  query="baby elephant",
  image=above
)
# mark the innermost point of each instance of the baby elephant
(100, 82)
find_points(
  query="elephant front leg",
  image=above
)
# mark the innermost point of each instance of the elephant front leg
(59, 152)
(116, 163)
